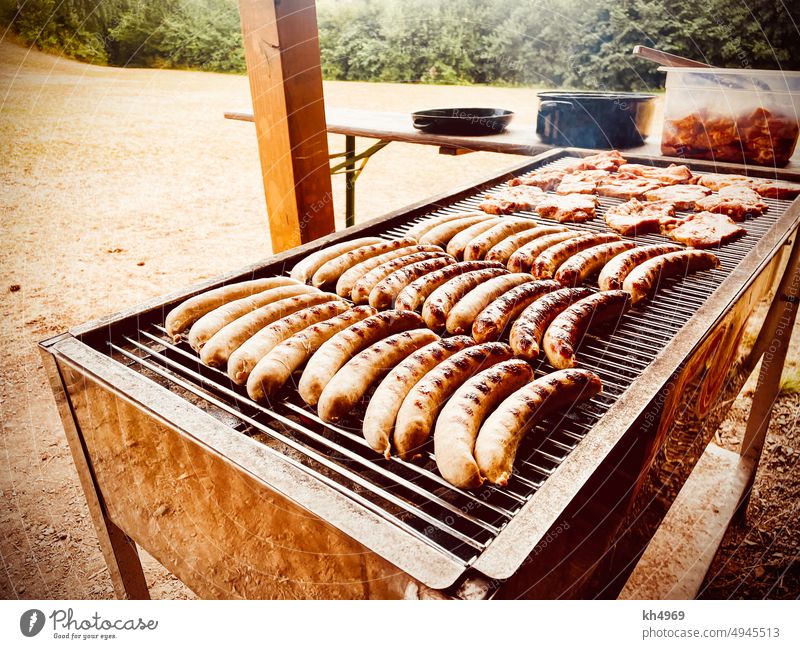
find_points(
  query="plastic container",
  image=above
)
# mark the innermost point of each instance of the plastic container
(743, 116)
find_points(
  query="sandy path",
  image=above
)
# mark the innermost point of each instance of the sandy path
(116, 186)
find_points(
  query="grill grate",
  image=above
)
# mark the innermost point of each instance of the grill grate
(460, 524)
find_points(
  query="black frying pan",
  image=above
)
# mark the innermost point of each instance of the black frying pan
(462, 121)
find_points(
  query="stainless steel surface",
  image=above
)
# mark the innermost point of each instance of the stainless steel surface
(435, 533)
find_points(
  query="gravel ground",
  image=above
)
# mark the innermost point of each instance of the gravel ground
(120, 185)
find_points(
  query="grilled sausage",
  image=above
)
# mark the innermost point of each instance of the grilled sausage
(422, 403)
(441, 234)
(305, 269)
(332, 270)
(615, 271)
(221, 345)
(439, 303)
(548, 261)
(187, 313)
(480, 246)
(383, 294)
(466, 310)
(244, 359)
(500, 436)
(349, 385)
(457, 244)
(503, 250)
(381, 413)
(427, 225)
(577, 268)
(492, 322)
(644, 279)
(347, 279)
(363, 287)
(343, 346)
(414, 295)
(527, 332)
(522, 260)
(458, 424)
(569, 326)
(213, 321)
(272, 371)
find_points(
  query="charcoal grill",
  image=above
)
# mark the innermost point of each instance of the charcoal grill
(240, 499)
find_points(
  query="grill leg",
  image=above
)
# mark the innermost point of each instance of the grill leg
(773, 342)
(119, 550)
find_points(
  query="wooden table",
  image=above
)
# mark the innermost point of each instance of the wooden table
(519, 138)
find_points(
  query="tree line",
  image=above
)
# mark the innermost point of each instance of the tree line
(568, 43)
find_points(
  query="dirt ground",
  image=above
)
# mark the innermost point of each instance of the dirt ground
(120, 185)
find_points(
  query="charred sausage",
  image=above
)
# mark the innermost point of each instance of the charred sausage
(244, 359)
(347, 279)
(272, 371)
(187, 313)
(414, 295)
(500, 436)
(457, 244)
(466, 310)
(458, 424)
(349, 385)
(428, 224)
(344, 345)
(221, 345)
(442, 233)
(503, 250)
(644, 279)
(385, 292)
(379, 419)
(419, 409)
(577, 268)
(480, 245)
(522, 260)
(616, 270)
(493, 321)
(305, 269)
(363, 287)
(332, 270)
(527, 332)
(548, 261)
(569, 326)
(439, 303)
(202, 330)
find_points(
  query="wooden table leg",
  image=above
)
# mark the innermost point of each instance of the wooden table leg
(774, 343)
(119, 550)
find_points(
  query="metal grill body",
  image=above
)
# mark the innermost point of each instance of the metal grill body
(239, 499)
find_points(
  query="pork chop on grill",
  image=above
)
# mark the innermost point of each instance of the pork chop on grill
(606, 161)
(767, 187)
(734, 201)
(627, 188)
(548, 179)
(512, 199)
(582, 182)
(569, 208)
(682, 197)
(672, 175)
(635, 217)
(703, 230)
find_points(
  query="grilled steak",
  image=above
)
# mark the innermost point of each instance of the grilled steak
(734, 201)
(635, 217)
(682, 197)
(512, 199)
(572, 208)
(703, 230)
(672, 175)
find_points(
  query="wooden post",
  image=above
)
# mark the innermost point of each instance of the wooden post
(281, 47)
